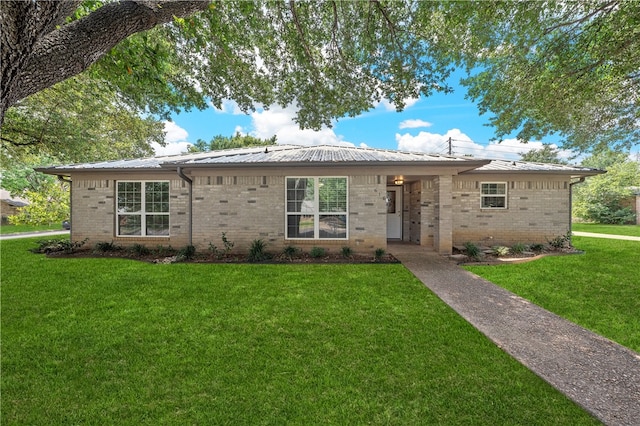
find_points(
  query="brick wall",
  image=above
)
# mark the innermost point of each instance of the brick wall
(538, 210)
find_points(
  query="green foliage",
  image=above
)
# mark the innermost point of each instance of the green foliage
(500, 250)
(161, 250)
(472, 250)
(518, 248)
(257, 251)
(103, 247)
(347, 251)
(317, 252)
(48, 204)
(236, 141)
(64, 245)
(561, 241)
(547, 154)
(79, 120)
(601, 198)
(140, 249)
(186, 253)
(537, 247)
(290, 252)
(227, 247)
(378, 254)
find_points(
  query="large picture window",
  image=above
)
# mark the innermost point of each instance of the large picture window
(143, 209)
(316, 207)
(493, 195)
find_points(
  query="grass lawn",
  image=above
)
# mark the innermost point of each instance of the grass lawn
(631, 230)
(12, 229)
(598, 290)
(112, 341)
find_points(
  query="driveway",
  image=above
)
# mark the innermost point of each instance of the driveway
(33, 234)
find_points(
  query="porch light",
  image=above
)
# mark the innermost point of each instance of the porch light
(398, 181)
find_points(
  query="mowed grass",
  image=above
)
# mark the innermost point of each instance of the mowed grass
(13, 229)
(111, 341)
(631, 230)
(599, 290)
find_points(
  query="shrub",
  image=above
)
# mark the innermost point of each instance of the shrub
(518, 248)
(228, 245)
(161, 250)
(290, 251)
(500, 250)
(472, 250)
(220, 253)
(58, 245)
(257, 251)
(317, 252)
(379, 253)
(347, 251)
(186, 253)
(561, 241)
(103, 247)
(537, 247)
(139, 250)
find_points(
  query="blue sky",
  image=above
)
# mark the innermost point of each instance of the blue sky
(424, 126)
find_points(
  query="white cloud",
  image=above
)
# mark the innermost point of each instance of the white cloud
(461, 144)
(175, 139)
(228, 107)
(389, 106)
(280, 122)
(414, 124)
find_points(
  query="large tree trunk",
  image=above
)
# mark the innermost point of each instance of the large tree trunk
(39, 50)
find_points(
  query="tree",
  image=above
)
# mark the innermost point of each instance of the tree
(47, 205)
(546, 154)
(571, 68)
(79, 120)
(225, 142)
(539, 67)
(600, 199)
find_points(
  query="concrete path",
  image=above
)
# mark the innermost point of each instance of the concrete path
(600, 375)
(611, 236)
(33, 234)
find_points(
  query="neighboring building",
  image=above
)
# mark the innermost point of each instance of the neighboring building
(327, 196)
(9, 205)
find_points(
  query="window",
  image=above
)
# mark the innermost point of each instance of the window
(493, 196)
(316, 207)
(143, 208)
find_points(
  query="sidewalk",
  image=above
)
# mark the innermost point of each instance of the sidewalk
(611, 236)
(600, 375)
(33, 234)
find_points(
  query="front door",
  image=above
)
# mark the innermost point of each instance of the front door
(394, 212)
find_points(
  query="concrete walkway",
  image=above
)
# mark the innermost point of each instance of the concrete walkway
(610, 236)
(33, 234)
(600, 375)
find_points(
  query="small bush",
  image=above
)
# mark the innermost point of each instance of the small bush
(347, 252)
(161, 250)
(103, 247)
(379, 253)
(537, 247)
(58, 245)
(500, 250)
(257, 251)
(228, 245)
(561, 241)
(139, 250)
(317, 252)
(518, 248)
(290, 252)
(221, 253)
(186, 253)
(472, 250)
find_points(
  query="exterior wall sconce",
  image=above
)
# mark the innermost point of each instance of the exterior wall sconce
(398, 181)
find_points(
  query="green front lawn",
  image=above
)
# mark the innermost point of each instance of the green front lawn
(13, 229)
(631, 230)
(112, 341)
(598, 290)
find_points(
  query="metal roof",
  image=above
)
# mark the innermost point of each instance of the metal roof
(318, 155)
(524, 166)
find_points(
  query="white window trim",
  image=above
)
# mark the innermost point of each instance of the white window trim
(143, 212)
(505, 196)
(317, 213)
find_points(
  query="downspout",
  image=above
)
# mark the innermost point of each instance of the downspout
(190, 182)
(581, 180)
(62, 178)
